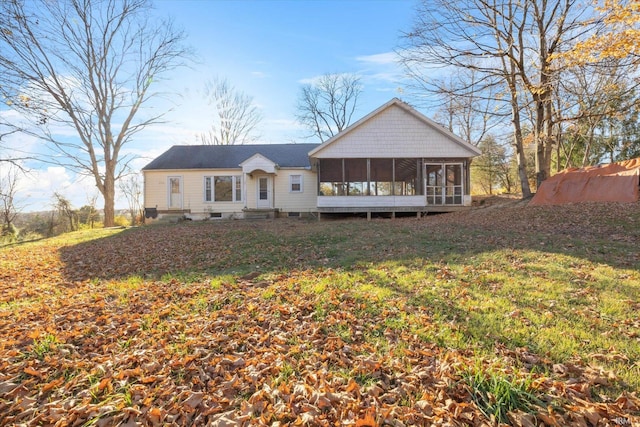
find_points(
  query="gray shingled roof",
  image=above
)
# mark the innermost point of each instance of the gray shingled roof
(230, 156)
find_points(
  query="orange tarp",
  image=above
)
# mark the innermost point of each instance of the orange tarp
(615, 182)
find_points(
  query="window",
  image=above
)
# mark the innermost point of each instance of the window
(223, 188)
(238, 195)
(295, 183)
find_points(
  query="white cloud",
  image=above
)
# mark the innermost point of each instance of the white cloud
(36, 188)
(284, 124)
(391, 77)
(387, 58)
(315, 79)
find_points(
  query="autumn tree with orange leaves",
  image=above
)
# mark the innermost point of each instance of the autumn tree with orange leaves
(620, 37)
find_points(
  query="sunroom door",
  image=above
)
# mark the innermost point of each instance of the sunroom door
(444, 183)
(433, 183)
(175, 192)
(453, 184)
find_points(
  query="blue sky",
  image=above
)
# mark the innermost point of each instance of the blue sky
(267, 49)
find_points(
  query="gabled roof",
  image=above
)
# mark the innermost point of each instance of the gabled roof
(472, 150)
(230, 156)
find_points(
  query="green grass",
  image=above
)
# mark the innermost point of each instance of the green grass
(481, 288)
(497, 393)
(43, 345)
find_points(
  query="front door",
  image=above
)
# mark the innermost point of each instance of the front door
(175, 192)
(265, 192)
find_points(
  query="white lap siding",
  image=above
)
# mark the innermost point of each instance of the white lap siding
(156, 194)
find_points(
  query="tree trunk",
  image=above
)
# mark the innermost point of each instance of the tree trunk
(522, 164)
(109, 199)
(540, 160)
(519, 142)
(543, 131)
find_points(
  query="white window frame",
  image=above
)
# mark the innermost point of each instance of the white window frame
(291, 183)
(236, 184)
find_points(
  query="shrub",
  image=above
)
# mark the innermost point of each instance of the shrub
(121, 221)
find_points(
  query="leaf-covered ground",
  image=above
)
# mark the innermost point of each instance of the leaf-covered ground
(502, 315)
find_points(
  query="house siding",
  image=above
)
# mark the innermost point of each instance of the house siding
(288, 201)
(156, 191)
(193, 203)
(393, 133)
(155, 188)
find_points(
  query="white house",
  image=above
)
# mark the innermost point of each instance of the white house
(392, 160)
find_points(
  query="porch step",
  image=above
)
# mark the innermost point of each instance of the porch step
(259, 213)
(173, 218)
(256, 216)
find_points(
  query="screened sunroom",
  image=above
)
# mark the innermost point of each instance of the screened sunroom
(389, 184)
(393, 160)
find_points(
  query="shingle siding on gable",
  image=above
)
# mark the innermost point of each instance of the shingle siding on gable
(394, 133)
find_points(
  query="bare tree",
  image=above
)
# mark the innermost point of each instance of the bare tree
(132, 189)
(327, 106)
(14, 157)
(597, 99)
(65, 210)
(90, 66)
(511, 45)
(467, 108)
(236, 117)
(8, 208)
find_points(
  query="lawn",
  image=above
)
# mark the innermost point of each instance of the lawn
(507, 314)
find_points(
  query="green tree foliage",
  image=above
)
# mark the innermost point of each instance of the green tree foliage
(492, 170)
(67, 214)
(88, 215)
